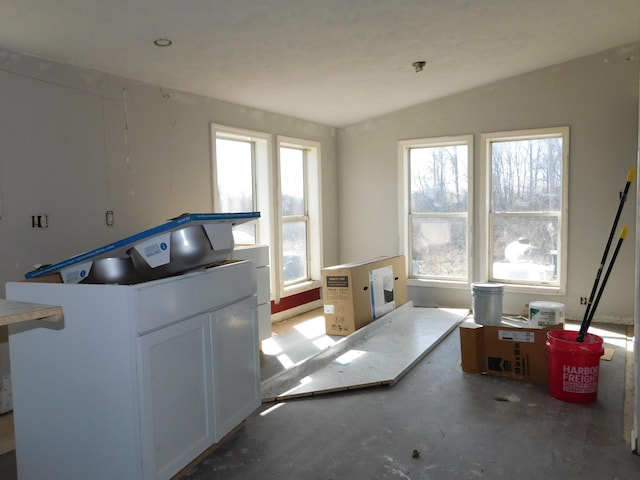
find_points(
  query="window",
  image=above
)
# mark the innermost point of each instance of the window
(235, 186)
(526, 206)
(436, 204)
(300, 224)
(519, 236)
(241, 180)
(285, 192)
(293, 175)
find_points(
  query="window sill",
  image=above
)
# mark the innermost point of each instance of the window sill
(528, 289)
(301, 287)
(422, 282)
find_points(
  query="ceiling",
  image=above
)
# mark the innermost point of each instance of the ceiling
(336, 62)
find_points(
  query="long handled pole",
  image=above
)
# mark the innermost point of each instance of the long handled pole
(585, 325)
(623, 198)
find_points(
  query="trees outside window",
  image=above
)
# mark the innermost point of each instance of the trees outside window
(527, 200)
(300, 219)
(436, 207)
(513, 231)
(293, 175)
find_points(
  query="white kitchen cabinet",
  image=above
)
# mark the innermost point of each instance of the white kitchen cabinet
(137, 380)
(177, 395)
(236, 358)
(259, 255)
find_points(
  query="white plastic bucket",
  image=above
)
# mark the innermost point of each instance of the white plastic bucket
(487, 303)
(542, 314)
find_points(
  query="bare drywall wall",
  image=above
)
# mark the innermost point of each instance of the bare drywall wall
(596, 96)
(75, 143)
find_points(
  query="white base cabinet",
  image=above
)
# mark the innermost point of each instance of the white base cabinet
(139, 380)
(236, 352)
(259, 255)
(177, 395)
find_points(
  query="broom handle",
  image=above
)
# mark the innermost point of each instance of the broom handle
(585, 325)
(623, 197)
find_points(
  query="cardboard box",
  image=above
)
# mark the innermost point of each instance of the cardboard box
(505, 351)
(355, 294)
(50, 278)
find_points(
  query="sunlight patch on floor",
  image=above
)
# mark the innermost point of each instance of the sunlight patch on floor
(271, 347)
(610, 335)
(285, 360)
(349, 357)
(312, 328)
(324, 342)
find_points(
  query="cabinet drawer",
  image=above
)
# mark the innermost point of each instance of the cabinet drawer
(166, 301)
(258, 254)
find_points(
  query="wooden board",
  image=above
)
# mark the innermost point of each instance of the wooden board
(608, 353)
(15, 312)
(381, 357)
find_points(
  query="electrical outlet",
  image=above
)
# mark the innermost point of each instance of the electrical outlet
(583, 300)
(109, 219)
(39, 221)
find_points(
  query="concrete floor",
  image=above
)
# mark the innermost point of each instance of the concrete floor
(460, 425)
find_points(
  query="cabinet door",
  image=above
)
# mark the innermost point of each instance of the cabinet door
(236, 364)
(176, 400)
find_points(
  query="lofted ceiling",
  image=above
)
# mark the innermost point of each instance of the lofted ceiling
(336, 62)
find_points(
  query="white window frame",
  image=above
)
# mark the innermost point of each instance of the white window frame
(314, 216)
(304, 217)
(485, 226)
(268, 202)
(263, 178)
(404, 192)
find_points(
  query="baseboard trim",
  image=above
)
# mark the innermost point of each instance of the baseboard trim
(295, 311)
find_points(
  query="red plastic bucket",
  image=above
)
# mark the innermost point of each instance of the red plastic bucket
(573, 367)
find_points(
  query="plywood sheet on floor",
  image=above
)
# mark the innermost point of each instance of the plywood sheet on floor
(384, 356)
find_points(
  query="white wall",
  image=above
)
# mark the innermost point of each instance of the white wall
(597, 96)
(75, 143)
(70, 148)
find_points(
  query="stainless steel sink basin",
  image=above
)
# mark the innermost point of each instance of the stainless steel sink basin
(113, 270)
(190, 249)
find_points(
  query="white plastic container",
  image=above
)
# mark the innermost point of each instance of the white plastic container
(487, 303)
(543, 314)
